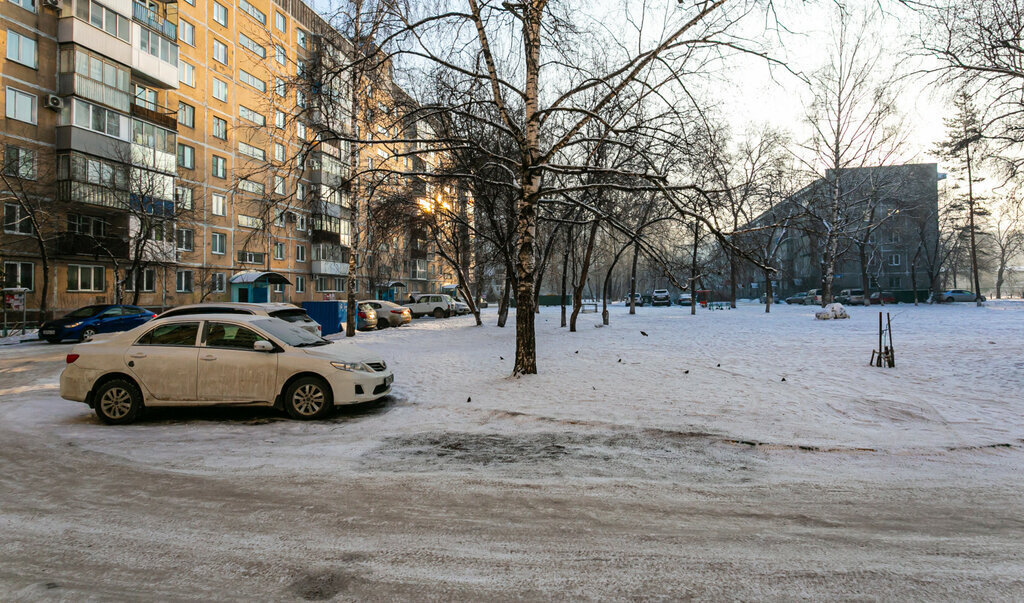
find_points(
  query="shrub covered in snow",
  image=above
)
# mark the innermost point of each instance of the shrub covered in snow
(832, 311)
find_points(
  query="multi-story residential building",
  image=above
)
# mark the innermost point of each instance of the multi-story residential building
(163, 151)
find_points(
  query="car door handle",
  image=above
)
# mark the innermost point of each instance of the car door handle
(208, 357)
(137, 355)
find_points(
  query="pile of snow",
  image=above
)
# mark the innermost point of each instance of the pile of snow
(832, 311)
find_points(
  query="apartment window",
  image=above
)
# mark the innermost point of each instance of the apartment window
(249, 44)
(220, 128)
(251, 257)
(252, 80)
(19, 162)
(279, 219)
(279, 22)
(21, 105)
(278, 251)
(894, 259)
(220, 167)
(29, 5)
(251, 151)
(191, 2)
(144, 97)
(279, 54)
(278, 185)
(895, 282)
(220, 90)
(184, 281)
(300, 130)
(252, 11)
(218, 282)
(218, 243)
(85, 278)
(300, 37)
(251, 186)
(300, 284)
(21, 49)
(153, 43)
(16, 219)
(98, 119)
(87, 225)
(185, 239)
(147, 280)
(250, 115)
(218, 205)
(369, 163)
(300, 194)
(220, 52)
(103, 18)
(300, 98)
(183, 197)
(187, 74)
(278, 151)
(279, 87)
(186, 115)
(19, 274)
(220, 14)
(279, 118)
(186, 157)
(300, 253)
(187, 32)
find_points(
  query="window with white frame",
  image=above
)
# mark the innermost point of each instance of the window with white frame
(300, 130)
(278, 251)
(218, 205)
(251, 186)
(220, 52)
(278, 185)
(278, 151)
(300, 253)
(146, 280)
(19, 162)
(219, 166)
(22, 49)
(186, 156)
(183, 282)
(186, 32)
(187, 74)
(186, 115)
(85, 278)
(218, 282)
(300, 38)
(220, 90)
(250, 222)
(254, 116)
(183, 197)
(894, 259)
(220, 14)
(185, 239)
(279, 87)
(254, 152)
(279, 118)
(252, 46)
(300, 222)
(252, 11)
(29, 5)
(279, 22)
(247, 78)
(280, 55)
(21, 105)
(19, 275)
(220, 128)
(218, 243)
(16, 219)
(300, 284)
(895, 282)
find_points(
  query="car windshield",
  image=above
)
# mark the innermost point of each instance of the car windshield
(294, 315)
(86, 312)
(289, 333)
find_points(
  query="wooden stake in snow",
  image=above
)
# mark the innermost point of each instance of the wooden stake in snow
(885, 355)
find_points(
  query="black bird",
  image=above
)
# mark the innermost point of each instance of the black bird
(620, 359)
(577, 351)
(686, 372)
(469, 399)
(783, 378)
(719, 365)
(501, 357)
(644, 334)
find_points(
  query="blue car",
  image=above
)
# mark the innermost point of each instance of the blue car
(87, 321)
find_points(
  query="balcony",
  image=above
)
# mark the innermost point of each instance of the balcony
(325, 236)
(150, 19)
(76, 84)
(73, 243)
(92, 194)
(156, 251)
(164, 119)
(324, 267)
(158, 63)
(70, 29)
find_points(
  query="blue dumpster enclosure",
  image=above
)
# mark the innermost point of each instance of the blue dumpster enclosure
(330, 314)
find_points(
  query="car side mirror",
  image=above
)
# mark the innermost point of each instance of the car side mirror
(263, 346)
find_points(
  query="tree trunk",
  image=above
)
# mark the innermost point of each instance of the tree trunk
(864, 282)
(565, 273)
(974, 242)
(577, 298)
(693, 269)
(732, 280)
(506, 291)
(913, 278)
(632, 279)
(768, 291)
(999, 280)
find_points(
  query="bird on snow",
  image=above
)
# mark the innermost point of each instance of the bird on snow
(501, 357)
(644, 334)
(577, 351)
(783, 378)
(620, 359)
(686, 372)
(719, 365)
(469, 399)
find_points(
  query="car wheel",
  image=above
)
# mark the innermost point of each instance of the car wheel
(949, 299)
(438, 313)
(118, 402)
(308, 398)
(88, 333)
(383, 324)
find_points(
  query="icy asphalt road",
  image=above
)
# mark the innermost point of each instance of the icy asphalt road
(424, 497)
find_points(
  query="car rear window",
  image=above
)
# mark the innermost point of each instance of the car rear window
(293, 315)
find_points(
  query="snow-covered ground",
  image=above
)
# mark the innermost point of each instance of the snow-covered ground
(717, 404)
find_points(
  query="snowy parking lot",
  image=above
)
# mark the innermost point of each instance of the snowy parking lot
(730, 454)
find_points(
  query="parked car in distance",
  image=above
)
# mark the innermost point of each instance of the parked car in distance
(286, 312)
(366, 318)
(83, 323)
(813, 298)
(685, 299)
(796, 298)
(882, 297)
(638, 300)
(851, 296)
(764, 297)
(212, 359)
(435, 304)
(661, 297)
(957, 295)
(389, 314)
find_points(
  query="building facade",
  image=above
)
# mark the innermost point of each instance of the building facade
(153, 151)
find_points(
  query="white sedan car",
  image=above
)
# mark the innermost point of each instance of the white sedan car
(220, 359)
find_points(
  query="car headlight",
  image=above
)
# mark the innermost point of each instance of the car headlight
(72, 325)
(351, 366)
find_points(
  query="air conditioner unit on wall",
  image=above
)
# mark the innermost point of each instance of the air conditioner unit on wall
(54, 102)
(51, 3)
